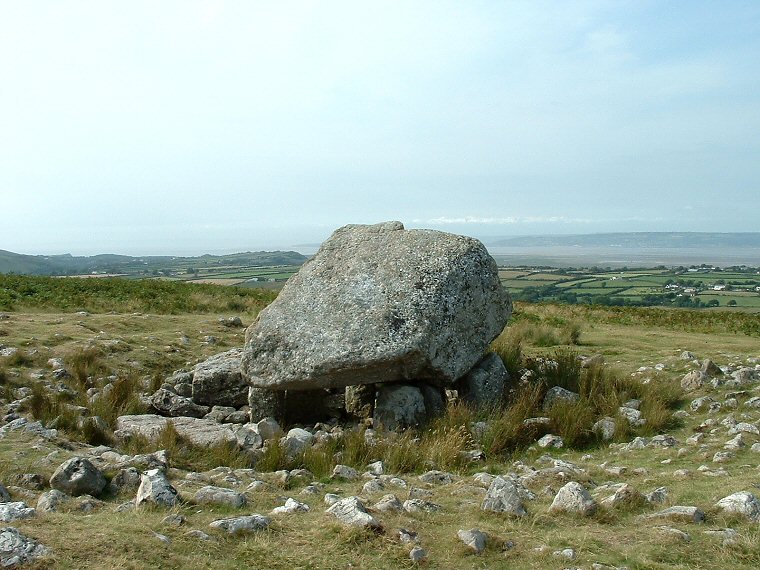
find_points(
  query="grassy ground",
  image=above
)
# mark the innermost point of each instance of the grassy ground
(628, 339)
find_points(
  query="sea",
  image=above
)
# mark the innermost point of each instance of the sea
(616, 257)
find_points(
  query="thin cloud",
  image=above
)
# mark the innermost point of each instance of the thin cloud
(511, 220)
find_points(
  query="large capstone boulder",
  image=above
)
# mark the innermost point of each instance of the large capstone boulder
(218, 381)
(77, 476)
(379, 304)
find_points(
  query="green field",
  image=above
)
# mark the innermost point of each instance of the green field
(683, 287)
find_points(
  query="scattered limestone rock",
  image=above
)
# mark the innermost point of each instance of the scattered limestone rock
(694, 380)
(573, 498)
(632, 415)
(503, 496)
(17, 550)
(296, 441)
(417, 554)
(172, 404)
(420, 506)
(211, 495)
(675, 533)
(680, 513)
(626, 495)
(14, 511)
(156, 489)
(291, 506)
(77, 476)
(550, 440)
(49, 501)
(558, 394)
(566, 553)
(658, 496)
(5, 496)
(345, 473)
(437, 478)
(743, 502)
(389, 503)
(474, 539)
(267, 428)
(373, 487)
(605, 428)
(710, 369)
(235, 525)
(331, 498)
(351, 512)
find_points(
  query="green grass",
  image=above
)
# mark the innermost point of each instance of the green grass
(126, 296)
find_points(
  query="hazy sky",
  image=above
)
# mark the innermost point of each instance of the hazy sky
(194, 126)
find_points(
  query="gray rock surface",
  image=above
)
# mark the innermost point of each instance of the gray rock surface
(49, 501)
(743, 503)
(351, 512)
(17, 550)
(296, 441)
(127, 479)
(379, 304)
(474, 539)
(196, 430)
(172, 404)
(5, 496)
(77, 476)
(211, 495)
(680, 513)
(234, 525)
(218, 380)
(345, 473)
(291, 506)
(605, 428)
(503, 496)
(573, 498)
(693, 380)
(265, 404)
(399, 406)
(156, 489)
(15, 511)
(484, 385)
(388, 503)
(558, 394)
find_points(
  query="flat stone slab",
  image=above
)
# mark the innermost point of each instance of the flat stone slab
(198, 431)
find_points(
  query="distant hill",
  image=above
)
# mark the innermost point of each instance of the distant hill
(109, 263)
(635, 240)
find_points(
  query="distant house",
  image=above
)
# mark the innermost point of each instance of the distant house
(690, 291)
(719, 287)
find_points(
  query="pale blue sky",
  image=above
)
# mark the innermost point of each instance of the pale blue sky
(194, 126)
